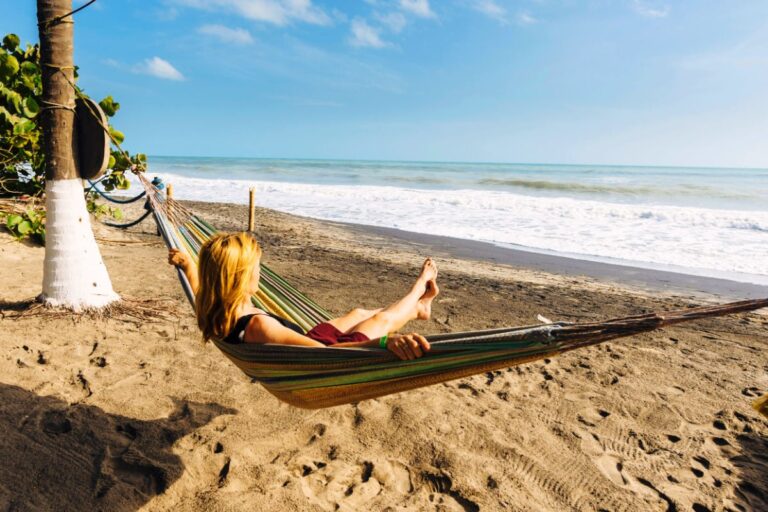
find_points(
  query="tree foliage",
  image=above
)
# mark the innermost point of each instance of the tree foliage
(22, 162)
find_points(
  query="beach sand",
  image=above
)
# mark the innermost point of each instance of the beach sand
(123, 413)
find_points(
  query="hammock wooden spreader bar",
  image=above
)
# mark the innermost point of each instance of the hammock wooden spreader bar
(313, 378)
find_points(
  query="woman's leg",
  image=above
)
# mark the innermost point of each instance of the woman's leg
(351, 319)
(416, 304)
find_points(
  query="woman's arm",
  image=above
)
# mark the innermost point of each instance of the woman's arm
(185, 263)
(268, 330)
(404, 346)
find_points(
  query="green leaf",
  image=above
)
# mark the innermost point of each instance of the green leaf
(29, 68)
(24, 227)
(29, 85)
(11, 42)
(33, 216)
(10, 118)
(109, 106)
(23, 127)
(117, 213)
(117, 135)
(32, 52)
(11, 97)
(111, 164)
(9, 66)
(121, 162)
(12, 220)
(30, 108)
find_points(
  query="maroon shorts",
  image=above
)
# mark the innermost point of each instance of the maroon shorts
(327, 334)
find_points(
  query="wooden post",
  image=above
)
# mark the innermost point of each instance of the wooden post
(169, 191)
(251, 209)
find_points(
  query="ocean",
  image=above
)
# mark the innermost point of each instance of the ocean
(702, 221)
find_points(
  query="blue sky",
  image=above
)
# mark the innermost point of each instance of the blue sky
(651, 82)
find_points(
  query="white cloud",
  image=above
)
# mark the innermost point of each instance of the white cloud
(655, 10)
(491, 9)
(418, 7)
(226, 34)
(394, 21)
(339, 16)
(365, 35)
(278, 12)
(524, 18)
(159, 68)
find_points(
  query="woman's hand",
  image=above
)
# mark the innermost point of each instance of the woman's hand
(179, 259)
(407, 346)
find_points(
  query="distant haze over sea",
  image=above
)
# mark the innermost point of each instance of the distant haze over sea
(705, 221)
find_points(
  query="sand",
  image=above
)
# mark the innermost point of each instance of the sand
(123, 413)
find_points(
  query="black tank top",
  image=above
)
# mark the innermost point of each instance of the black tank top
(238, 331)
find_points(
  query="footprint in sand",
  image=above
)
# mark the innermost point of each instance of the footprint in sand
(128, 431)
(442, 484)
(318, 432)
(608, 464)
(132, 468)
(55, 422)
(99, 361)
(339, 485)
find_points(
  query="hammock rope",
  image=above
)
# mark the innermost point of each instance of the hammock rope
(319, 377)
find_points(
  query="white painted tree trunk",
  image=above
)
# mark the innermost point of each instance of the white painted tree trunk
(74, 274)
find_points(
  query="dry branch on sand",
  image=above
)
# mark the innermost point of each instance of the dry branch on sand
(129, 309)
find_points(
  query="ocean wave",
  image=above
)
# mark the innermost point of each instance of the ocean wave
(416, 179)
(565, 187)
(608, 188)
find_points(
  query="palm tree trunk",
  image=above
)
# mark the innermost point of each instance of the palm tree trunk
(74, 274)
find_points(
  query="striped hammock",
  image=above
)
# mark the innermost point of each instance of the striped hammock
(313, 378)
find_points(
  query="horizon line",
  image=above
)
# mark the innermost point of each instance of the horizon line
(649, 166)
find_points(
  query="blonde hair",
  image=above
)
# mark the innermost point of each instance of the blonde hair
(225, 267)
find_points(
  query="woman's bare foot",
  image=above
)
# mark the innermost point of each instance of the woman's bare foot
(424, 307)
(428, 273)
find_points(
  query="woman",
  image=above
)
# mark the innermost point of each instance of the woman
(229, 275)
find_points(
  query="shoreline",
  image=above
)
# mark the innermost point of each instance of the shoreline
(646, 280)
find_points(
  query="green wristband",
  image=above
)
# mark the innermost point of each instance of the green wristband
(383, 341)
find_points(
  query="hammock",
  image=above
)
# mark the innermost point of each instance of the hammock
(313, 378)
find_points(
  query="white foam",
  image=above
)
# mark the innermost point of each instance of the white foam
(698, 239)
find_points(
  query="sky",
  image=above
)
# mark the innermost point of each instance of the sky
(631, 82)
